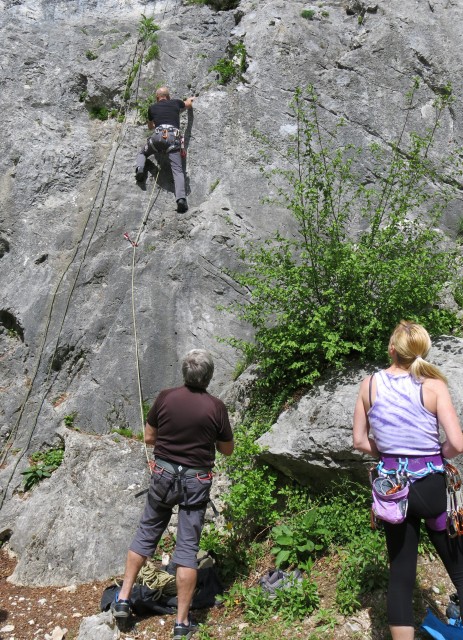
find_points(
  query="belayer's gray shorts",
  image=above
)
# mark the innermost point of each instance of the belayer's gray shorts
(165, 491)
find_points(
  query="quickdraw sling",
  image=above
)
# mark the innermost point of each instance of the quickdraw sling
(454, 501)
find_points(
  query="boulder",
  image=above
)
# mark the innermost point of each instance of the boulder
(312, 440)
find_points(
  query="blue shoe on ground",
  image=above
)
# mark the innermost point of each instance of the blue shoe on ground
(120, 608)
(184, 631)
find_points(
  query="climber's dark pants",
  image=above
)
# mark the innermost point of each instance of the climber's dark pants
(176, 166)
(427, 499)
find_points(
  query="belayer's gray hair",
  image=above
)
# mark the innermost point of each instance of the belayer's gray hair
(197, 368)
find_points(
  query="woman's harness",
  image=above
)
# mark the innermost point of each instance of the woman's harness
(407, 471)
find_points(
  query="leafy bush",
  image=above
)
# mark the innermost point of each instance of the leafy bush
(147, 29)
(69, 419)
(251, 484)
(324, 297)
(122, 431)
(90, 55)
(291, 603)
(152, 53)
(45, 463)
(296, 542)
(363, 569)
(233, 66)
(308, 14)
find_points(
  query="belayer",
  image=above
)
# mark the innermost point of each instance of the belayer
(397, 418)
(186, 425)
(164, 119)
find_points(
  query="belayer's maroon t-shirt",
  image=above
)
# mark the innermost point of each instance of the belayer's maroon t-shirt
(189, 422)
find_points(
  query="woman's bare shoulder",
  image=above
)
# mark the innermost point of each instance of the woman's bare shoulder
(436, 385)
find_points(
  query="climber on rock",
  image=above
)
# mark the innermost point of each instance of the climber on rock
(164, 119)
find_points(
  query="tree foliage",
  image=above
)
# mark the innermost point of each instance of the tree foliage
(327, 294)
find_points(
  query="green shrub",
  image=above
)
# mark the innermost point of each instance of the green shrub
(251, 484)
(99, 112)
(308, 14)
(232, 66)
(45, 462)
(325, 297)
(152, 53)
(292, 603)
(299, 540)
(69, 419)
(90, 55)
(122, 431)
(363, 569)
(147, 32)
(147, 28)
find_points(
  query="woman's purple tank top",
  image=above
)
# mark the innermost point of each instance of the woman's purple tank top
(399, 422)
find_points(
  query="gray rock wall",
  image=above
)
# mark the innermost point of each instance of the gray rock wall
(67, 189)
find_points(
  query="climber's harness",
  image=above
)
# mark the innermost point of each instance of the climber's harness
(166, 138)
(390, 486)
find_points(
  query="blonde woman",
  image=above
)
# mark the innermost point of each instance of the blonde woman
(396, 419)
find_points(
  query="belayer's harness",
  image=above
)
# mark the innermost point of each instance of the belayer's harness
(179, 474)
(166, 138)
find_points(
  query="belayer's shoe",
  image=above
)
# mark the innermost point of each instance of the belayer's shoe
(140, 175)
(184, 631)
(120, 608)
(182, 206)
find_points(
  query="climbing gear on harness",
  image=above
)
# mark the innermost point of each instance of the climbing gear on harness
(390, 498)
(179, 474)
(166, 139)
(390, 486)
(132, 242)
(454, 501)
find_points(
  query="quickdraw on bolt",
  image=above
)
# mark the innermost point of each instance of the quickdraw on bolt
(132, 242)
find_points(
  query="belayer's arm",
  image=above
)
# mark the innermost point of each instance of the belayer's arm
(150, 434)
(225, 448)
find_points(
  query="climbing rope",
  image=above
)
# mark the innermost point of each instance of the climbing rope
(135, 244)
(157, 580)
(118, 137)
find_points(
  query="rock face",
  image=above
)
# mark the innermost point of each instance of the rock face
(312, 441)
(68, 195)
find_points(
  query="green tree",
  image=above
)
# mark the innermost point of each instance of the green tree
(326, 295)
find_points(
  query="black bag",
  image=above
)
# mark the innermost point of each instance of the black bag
(145, 601)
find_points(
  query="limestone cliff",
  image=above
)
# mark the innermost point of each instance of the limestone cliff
(68, 192)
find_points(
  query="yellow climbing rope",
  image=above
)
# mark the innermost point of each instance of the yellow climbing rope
(134, 317)
(157, 580)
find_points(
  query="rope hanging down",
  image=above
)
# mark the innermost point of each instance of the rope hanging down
(135, 244)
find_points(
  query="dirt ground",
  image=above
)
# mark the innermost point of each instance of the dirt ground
(29, 613)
